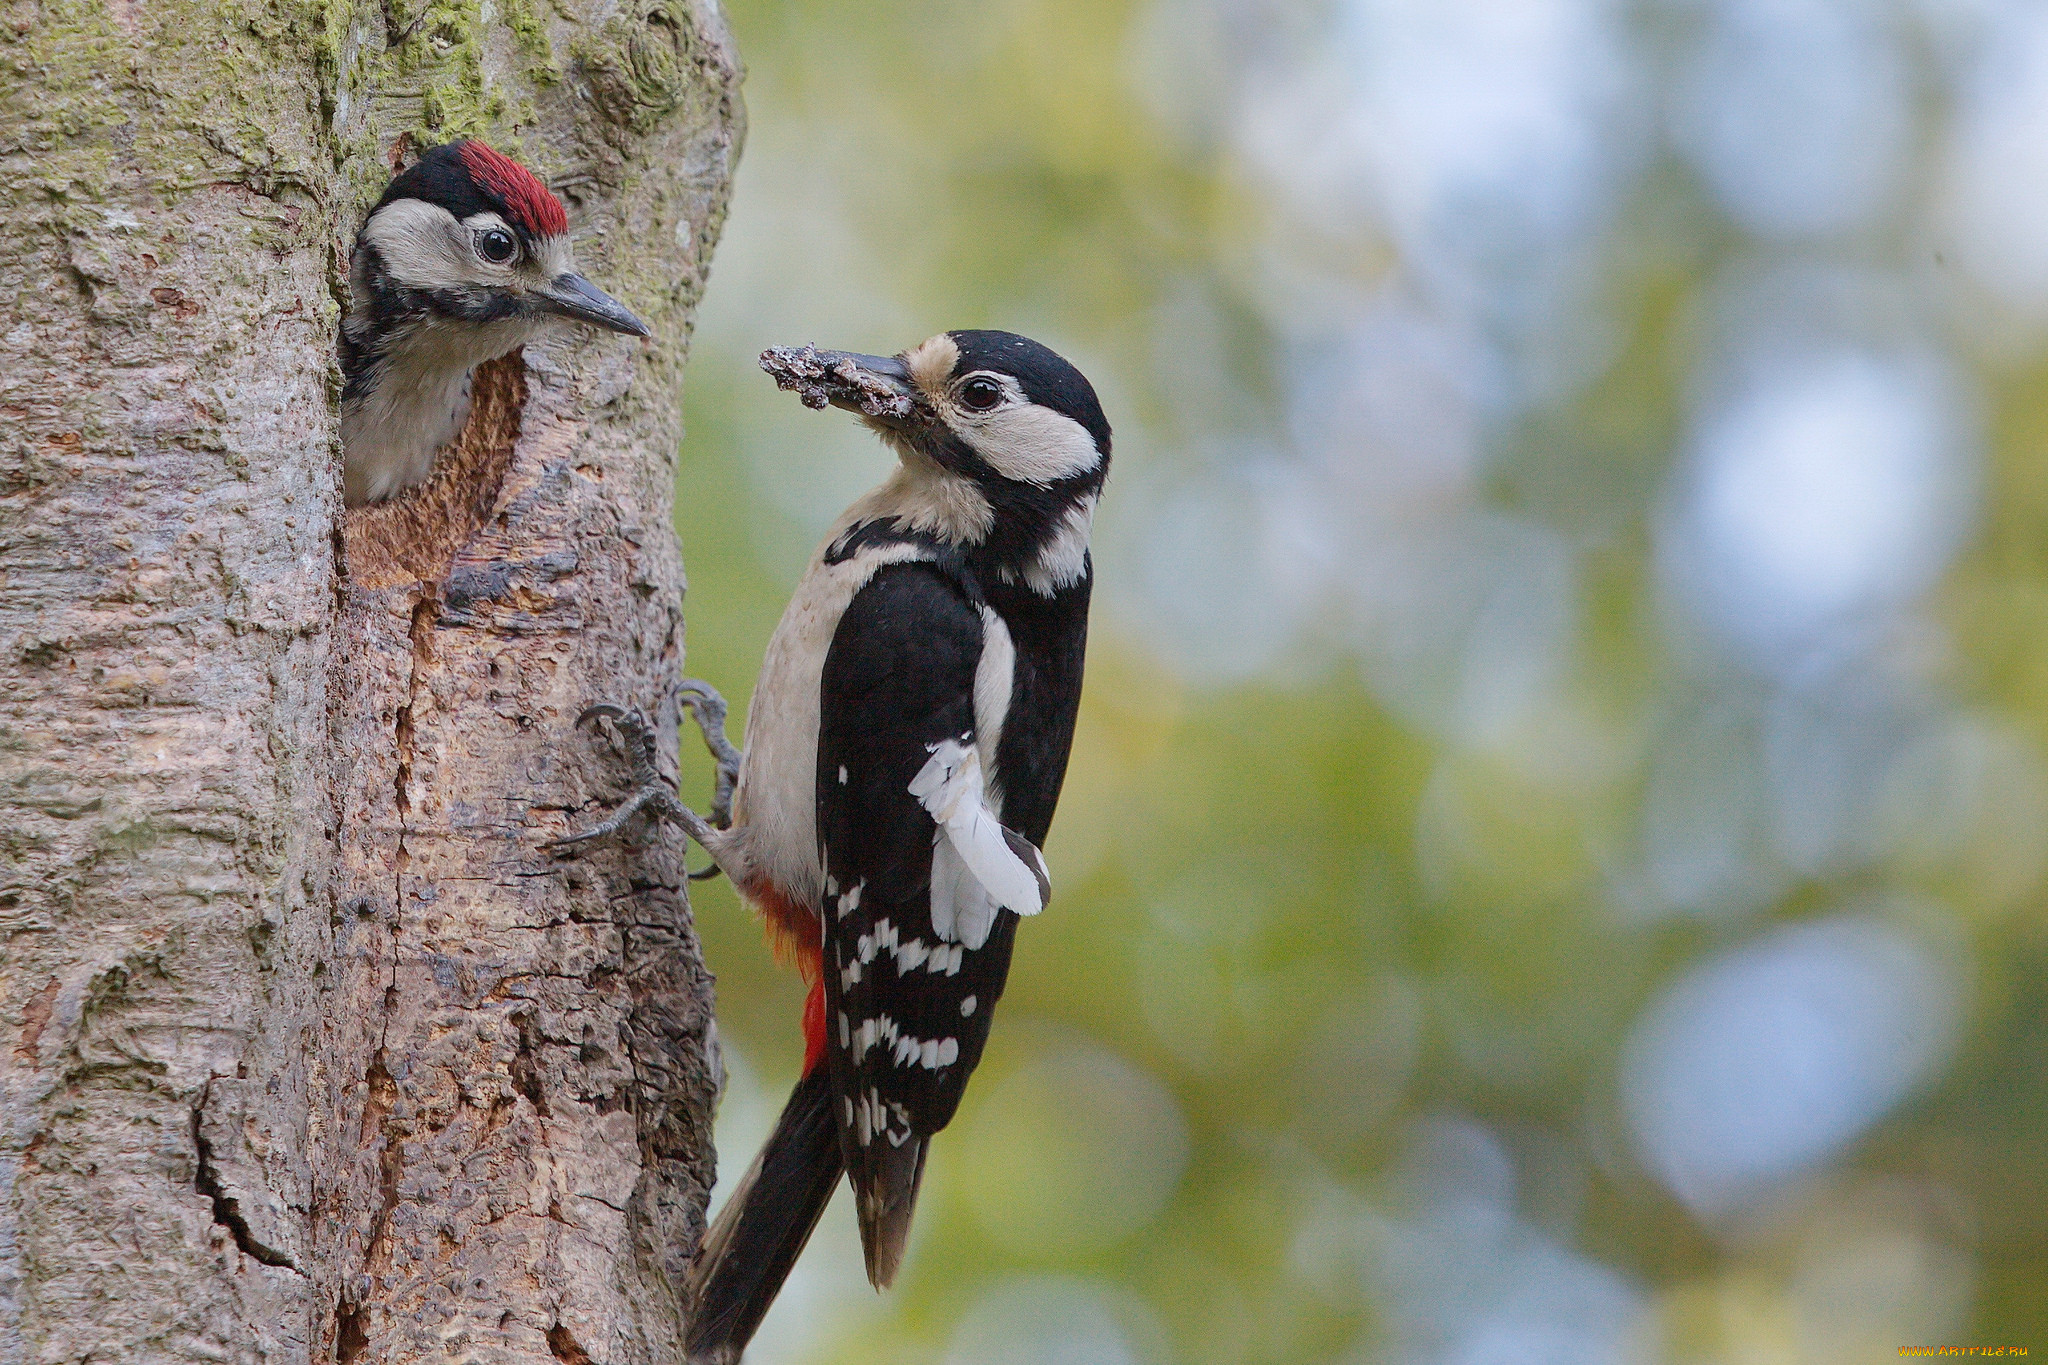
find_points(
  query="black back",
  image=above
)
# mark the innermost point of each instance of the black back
(898, 679)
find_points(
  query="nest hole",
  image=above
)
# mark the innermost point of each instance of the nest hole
(415, 536)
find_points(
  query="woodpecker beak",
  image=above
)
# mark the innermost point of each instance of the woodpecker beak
(856, 382)
(572, 296)
(875, 386)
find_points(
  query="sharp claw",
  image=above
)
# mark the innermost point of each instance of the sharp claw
(616, 821)
(709, 710)
(655, 793)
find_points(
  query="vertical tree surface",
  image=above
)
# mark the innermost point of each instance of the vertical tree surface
(312, 1051)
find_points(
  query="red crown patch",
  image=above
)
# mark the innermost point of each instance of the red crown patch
(526, 199)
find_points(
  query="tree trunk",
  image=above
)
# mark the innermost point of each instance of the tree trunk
(316, 1054)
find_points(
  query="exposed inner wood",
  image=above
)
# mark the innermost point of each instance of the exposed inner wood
(415, 536)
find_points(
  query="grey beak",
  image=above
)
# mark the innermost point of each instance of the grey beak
(872, 385)
(572, 296)
(885, 367)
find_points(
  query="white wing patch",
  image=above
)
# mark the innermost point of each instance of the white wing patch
(871, 1117)
(995, 678)
(903, 1049)
(849, 902)
(976, 865)
(962, 910)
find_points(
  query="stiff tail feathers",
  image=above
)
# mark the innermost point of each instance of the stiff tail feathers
(885, 1185)
(758, 1235)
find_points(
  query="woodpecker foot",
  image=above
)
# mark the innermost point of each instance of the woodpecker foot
(652, 793)
(707, 708)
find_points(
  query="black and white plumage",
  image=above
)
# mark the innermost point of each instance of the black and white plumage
(905, 748)
(464, 259)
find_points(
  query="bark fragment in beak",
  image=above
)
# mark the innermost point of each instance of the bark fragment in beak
(871, 385)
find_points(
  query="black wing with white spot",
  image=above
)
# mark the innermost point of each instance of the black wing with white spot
(907, 1004)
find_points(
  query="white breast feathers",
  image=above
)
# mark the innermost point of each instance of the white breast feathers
(977, 865)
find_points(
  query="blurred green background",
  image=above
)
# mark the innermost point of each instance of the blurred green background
(1552, 867)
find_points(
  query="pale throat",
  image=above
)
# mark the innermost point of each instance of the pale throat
(416, 400)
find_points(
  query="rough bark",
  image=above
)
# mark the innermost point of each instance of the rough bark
(311, 1052)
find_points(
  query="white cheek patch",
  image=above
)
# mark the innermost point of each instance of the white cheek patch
(421, 244)
(1031, 444)
(424, 247)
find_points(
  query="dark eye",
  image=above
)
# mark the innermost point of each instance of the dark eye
(496, 246)
(981, 394)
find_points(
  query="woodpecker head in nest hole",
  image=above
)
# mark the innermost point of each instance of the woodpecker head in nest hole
(465, 258)
(1003, 444)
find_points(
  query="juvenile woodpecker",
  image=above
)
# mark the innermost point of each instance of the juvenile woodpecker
(904, 752)
(465, 258)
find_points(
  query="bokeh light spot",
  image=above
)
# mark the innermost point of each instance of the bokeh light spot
(1760, 1064)
(1837, 483)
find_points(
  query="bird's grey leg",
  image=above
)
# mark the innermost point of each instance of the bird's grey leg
(707, 708)
(652, 791)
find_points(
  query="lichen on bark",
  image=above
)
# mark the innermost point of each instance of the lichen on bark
(317, 1055)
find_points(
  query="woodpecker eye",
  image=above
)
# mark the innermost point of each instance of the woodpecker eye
(496, 246)
(981, 394)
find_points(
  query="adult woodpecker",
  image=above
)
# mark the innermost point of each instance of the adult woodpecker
(465, 258)
(904, 752)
